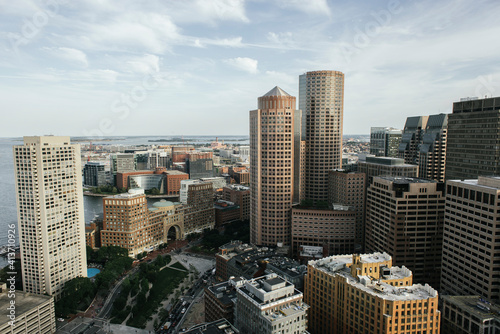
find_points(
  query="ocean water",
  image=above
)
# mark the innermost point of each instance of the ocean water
(92, 205)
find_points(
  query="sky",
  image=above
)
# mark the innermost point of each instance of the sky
(196, 67)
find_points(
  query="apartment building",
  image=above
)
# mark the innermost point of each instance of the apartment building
(198, 199)
(240, 195)
(128, 222)
(49, 197)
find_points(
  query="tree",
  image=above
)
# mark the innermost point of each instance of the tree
(77, 294)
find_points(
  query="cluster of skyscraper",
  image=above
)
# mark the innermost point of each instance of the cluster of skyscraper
(428, 196)
(428, 201)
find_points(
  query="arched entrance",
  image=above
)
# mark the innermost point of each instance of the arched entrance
(174, 233)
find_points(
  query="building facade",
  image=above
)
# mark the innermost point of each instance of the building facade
(33, 313)
(385, 166)
(270, 304)
(384, 141)
(470, 241)
(404, 217)
(321, 99)
(200, 165)
(432, 150)
(272, 168)
(94, 174)
(469, 315)
(220, 300)
(128, 222)
(348, 188)
(198, 199)
(332, 230)
(51, 226)
(473, 145)
(239, 195)
(411, 139)
(366, 294)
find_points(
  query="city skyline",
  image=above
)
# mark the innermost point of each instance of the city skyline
(121, 71)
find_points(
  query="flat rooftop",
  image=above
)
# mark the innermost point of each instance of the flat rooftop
(475, 305)
(225, 292)
(24, 302)
(174, 172)
(221, 326)
(337, 265)
(405, 179)
(387, 161)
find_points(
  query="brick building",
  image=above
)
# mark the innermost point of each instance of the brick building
(240, 195)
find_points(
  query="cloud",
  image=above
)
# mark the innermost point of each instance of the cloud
(244, 64)
(207, 12)
(229, 10)
(152, 32)
(70, 54)
(282, 38)
(316, 7)
(144, 65)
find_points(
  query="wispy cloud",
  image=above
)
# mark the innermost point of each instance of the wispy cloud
(317, 7)
(244, 64)
(69, 54)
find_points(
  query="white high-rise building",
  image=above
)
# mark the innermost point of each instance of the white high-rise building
(50, 213)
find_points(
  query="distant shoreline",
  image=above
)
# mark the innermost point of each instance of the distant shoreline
(91, 194)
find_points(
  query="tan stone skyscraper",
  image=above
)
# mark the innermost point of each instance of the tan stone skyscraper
(321, 98)
(50, 213)
(272, 142)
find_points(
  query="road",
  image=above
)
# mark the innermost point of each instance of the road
(105, 311)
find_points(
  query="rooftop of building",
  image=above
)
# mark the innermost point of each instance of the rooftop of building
(291, 311)
(276, 91)
(404, 179)
(346, 171)
(340, 265)
(175, 172)
(221, 326)
(163, 204)
(24, 303)
(387, 161)
(223, 205)
(95, 163)
(225, 292)
(491, 182)
(474, 305)
(288, 266)
(237, 187)
(268, 289)
(130, 194)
